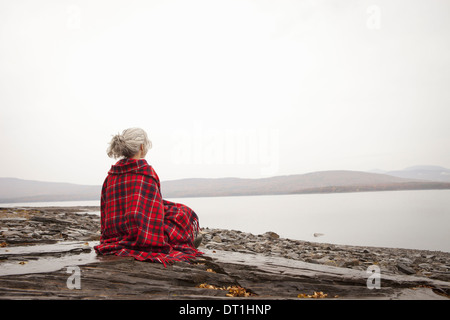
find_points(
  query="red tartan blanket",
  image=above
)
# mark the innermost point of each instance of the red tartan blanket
(137, 222)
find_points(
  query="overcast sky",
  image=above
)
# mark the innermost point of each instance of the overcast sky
(223, 88)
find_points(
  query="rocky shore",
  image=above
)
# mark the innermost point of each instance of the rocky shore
(32, 234)
(432, 264)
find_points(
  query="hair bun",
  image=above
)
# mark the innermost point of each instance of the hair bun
(128, 143)
(119, 138)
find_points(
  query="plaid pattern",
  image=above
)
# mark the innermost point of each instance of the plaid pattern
(137, 222)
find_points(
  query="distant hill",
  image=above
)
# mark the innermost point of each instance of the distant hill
(315, 182)
(14, 190)
(18, 190)
(431, 173)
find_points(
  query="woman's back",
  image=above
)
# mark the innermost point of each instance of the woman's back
(136, 221)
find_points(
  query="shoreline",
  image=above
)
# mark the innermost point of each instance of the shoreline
(38, 247)
(411, 185)
(14, 202)
(93, 209)
(47, 225)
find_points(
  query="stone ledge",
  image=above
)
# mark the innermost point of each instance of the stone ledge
(265, 266)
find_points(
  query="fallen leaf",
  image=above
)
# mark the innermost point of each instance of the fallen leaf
(237, 291)
(233, 291)
(23, 262)
(315, 295)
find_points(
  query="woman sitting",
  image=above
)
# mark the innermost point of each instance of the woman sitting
(135, 220)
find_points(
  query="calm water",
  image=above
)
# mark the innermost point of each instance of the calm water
(405, 219)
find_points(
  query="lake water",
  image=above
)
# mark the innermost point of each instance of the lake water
(404, 219)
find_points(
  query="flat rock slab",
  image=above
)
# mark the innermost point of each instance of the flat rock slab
(47, 253)
(48, 272)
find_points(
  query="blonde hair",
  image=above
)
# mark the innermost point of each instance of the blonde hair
(128, 143)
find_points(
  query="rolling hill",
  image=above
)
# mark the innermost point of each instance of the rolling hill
(431, 173)
(14, 190)
(17, 190)
(315, 182)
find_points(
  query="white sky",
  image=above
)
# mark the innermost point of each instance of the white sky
(223, 88)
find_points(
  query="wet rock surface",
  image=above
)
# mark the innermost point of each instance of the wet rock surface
(24, 226)
(39, 245)
(432, 264)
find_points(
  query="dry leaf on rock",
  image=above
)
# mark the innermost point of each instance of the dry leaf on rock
(315, 295)
(233, 291)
